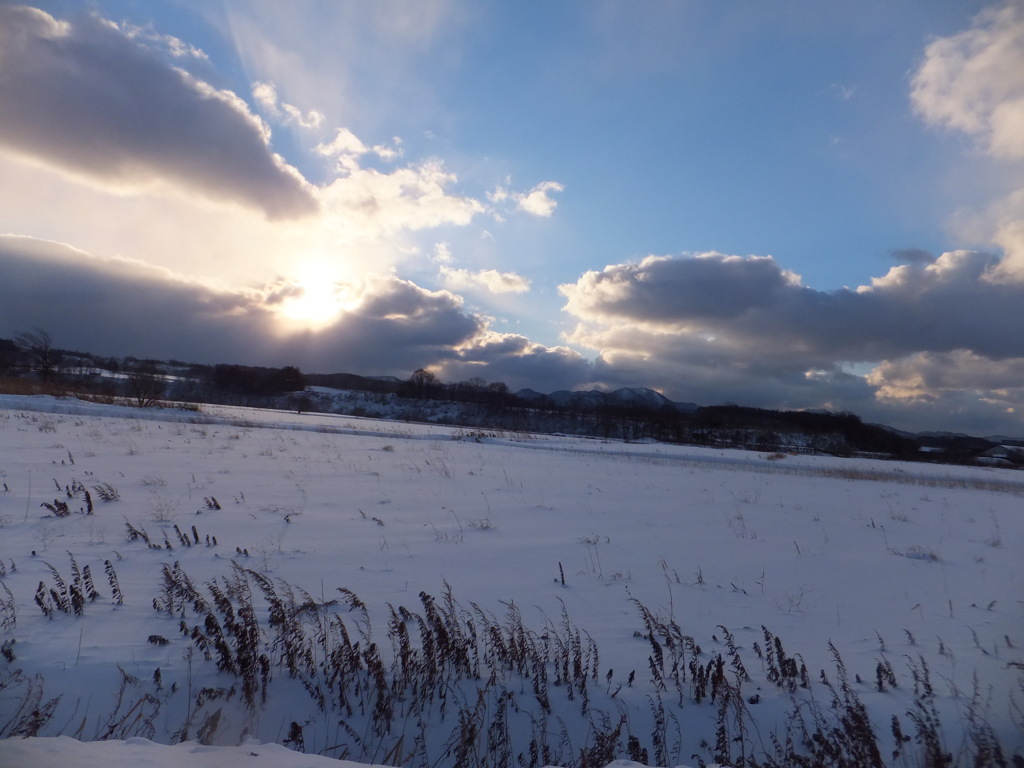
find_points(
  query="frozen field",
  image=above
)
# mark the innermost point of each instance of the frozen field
(629, 568)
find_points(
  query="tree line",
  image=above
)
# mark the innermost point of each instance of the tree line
(33, 357)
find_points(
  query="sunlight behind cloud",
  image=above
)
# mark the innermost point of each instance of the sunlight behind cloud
(315, 300)
(314, 306)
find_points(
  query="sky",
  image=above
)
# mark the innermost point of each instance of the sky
(782, 205)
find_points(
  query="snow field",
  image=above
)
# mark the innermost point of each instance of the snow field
(893, 564)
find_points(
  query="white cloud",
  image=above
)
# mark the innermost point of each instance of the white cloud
(389, 153)
(347, 148)
(499, 195)
(489, 279)
(174, 46)
(538, 201)
(442, 253)
(973, 82)
(266, 95)
(377, 204)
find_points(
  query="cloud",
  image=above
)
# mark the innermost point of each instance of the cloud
(760, 306)
(117, 307)
(713, 327)
(973, 82)
(111, 128)
(175, 47)
(266, 95)
(388, 325)
(346, 148)
(411, 198)
(537, 201)
(930, 376)
(911, 256)
(344, 143)
(665, 290)
(488, 279)
(442, 253)
(499, 195)
(985, 395)
(94, 102)
(518, 362)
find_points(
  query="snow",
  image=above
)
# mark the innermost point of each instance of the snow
(890, 562)
(62, 751)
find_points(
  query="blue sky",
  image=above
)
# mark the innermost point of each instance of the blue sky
(781, 204)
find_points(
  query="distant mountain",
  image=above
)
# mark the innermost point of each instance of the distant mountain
(647, 397)
(529, 395)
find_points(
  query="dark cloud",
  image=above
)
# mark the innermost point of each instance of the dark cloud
(989, 393)
(519, 363)
(280, 292)
(396, 328)
(750, 305)
(676, 291)
(124, 308)
(118, 307)
(85, 97)
(718, 328)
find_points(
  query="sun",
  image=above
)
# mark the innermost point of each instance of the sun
(312, 305)
(317, 301)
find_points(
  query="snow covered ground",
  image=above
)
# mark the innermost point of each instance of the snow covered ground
(571, 542)
(62, 751)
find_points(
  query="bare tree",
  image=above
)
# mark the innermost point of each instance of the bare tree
(9, 355)
(146, 388)
(38, 345)
(422, 383)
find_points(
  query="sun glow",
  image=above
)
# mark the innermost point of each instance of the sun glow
(316, 301)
